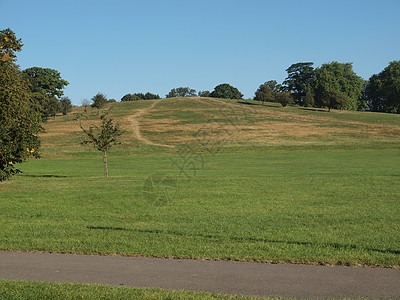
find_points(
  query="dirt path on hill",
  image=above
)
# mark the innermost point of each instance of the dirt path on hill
(134, 119)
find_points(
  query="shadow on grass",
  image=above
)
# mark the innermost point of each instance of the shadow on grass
(313, 109)
(248, 239)
(106, 228)
(44, 176)
(256, 104)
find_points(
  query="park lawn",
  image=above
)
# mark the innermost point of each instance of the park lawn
(18, 289)
(316, 206)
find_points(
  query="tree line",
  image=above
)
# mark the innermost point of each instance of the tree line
(332, 85)
(29, 97)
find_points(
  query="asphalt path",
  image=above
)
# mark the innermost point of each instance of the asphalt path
(245, 278)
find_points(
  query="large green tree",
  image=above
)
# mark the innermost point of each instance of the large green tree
(181, 92)
(383, 89)
(226, 91)
(47, 87)
(337, 79)
(19, 118)
(299, 79)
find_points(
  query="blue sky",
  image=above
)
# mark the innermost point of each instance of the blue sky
(119, 47)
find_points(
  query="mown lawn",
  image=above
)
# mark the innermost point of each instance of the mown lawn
(324, 207)
(17, 289)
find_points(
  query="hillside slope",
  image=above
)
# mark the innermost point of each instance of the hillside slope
(167, 124)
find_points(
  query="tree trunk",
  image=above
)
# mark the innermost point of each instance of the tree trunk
(105, 164)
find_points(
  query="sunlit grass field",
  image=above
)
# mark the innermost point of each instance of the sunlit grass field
(236, 180)
(10, 289)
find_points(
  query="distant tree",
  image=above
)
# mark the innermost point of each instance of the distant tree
(339, 78)
(204, 93)
(103, 136)
(309, 100)
(129, 97)
(383, 89)
(335, 99)
(53, 107)
(264, 93)
(268, 91)
(226, 91)
(284, 98)
(150, 96)
(46, 85)
(99, 100)
(20, 121)
(181, 92)
(85, 102)
(111, 100)
(299, 79)
(66, 105)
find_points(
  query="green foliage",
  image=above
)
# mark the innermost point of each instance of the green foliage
(46, 86)
(99, 100)
(226, 91)
(19, 119)
(140, 96)
(204, 93)
(299, 79)
(335, 99)
(264, 93)
(309, 100)
(66, 105)
(383, 89)
(181, 92)
(340, 79)
(9, 44)
(104, 136)
(268, 91)
(284, 98)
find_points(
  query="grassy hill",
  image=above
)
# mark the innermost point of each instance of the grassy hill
(167, 124)
(214, 179)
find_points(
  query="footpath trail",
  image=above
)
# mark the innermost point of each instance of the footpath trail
(134, 119)
(245, 278)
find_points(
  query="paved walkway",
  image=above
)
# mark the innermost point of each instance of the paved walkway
(283, 280)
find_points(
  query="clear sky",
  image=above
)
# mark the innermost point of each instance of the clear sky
(129, 46)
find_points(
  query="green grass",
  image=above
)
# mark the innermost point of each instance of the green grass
(287, 185)
(324, 207)
(17, 289)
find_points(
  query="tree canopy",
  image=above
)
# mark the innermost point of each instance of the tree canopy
(340, 79)
(99, 100)
(19, 117)
(103, 136)
(140, 96)
(383, 90)
(181, 92)
(299, 80)
(46, 86)
(226, 91)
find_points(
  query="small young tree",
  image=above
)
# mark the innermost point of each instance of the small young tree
(103, 136)
(85, 102)
(99, 100)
